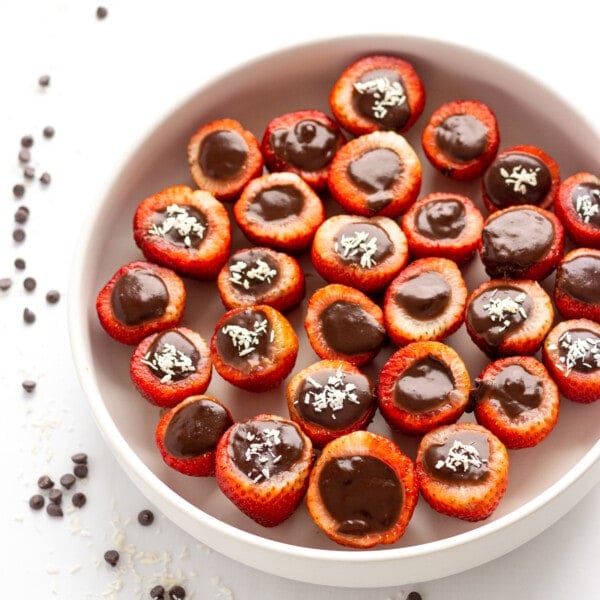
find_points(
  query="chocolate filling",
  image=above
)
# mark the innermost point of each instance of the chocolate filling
(172, 355)
(139, 296)
(441, 219)
(579, 350)
(363, 244)
(462, 137)
(222, 154)
(586, 202)
(277, 203)
(181, 225)
(425, 296)
(580, 278)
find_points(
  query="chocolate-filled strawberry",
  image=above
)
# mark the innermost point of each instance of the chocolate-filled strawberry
(363, 252)
(462, 470)
(169, 366)
(517, 400)
(521, 174)
(139, 299)
(578, 207)
(363, 490)
(254, 348)
(421, 386)
(186, 230)
(443, 224)
(261, 275)
(187, 435)
(263, 465)
(571, 353)
(279, 210)
(461, 139)
(223, 157)
(343, 323)
(425, 301)
(521, 242)
(303, 142)
(376, 174)
(577, 285)
(330, 398)
(377, 92)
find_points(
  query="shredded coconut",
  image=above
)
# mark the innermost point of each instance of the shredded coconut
(360, 244)
(179, 220)
(588, 205)
(244, 274)
(501, 310)
(333, 395)
(260, 448)
(387, 94)
(461, 456)
(244, 340)
(520, 177)
(169, 362)
(578, 350)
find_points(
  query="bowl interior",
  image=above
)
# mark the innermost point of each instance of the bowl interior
(301, 78)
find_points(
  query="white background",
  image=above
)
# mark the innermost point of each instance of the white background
(110, 81)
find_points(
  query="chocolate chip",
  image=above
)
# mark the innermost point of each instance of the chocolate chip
(176, 593)
(145, 517)
(21, 215)
(111, 557)
(45, 482)
(5, 283)
(29, 284)
(18, 234)
(37, 501)
(55, 496)
(52, 297)
(157, 592)
(44, 80)
(78, 499)
(414, 596)
(101, 12)
(24, 155)
(67, 480)
(48, 131)
(28, 172)
(20, 264)
(45, 178)
(81, 471)
(28, 316)
(28, 385)
(18, 190)
(80, 458)
(27, 141)
(54, 510)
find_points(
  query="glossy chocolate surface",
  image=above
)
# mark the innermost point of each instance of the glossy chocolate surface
(277, 203)
(579, 350)
(172, 356)
(196, 428)
(222, 154)
(349, 329)
(441, 219)
(516, 389)
(181, 225)
(586, 202)
(462, 137)
(253, 271)
(139, 296)
(363, 244)
(362, 493)
(580, 278)
(425, 296)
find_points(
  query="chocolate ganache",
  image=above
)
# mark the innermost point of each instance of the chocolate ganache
(441, 219)
(462, 137)
(180, 225)
(580, 278)
(586, 202)
(579, 350)
(362, 493)
(425, 296)
(172, 356)
(139, 296)
(253, 271)
(277, 203)
(196, 428)
(363, 244)
(222, 154)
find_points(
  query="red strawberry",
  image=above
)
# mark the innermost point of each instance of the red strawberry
(363, 490)
(139, 299)
(516, 399)
(462, 470)
(188, 231)
(365, 253)
(223, 157)
(421, 386)
(188, 434)
(263, 465)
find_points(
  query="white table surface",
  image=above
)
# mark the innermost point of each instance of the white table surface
(110, 80)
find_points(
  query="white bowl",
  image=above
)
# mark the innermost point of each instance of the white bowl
(545, 481)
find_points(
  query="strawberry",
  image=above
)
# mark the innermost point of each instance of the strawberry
(577, 285)
(578, 207)
(421, 386)
(363, 490)
(461, 139)
(571, 353)
(254, 348)
(508, 317)
(343, 323)
(187, 435)
(188, 231)
(521, 174)
(263, 465)
(517, 400)
(139, 299)
(376, 174)
(303, 142)
(521, 242)
(425, 301)
(169, 366)
(377, 92)
(279, 210)
(329, 399)
(462, 470)
(443, 224)
(365, 253)
(223, 157)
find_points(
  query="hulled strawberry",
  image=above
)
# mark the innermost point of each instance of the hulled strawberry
(263, 465)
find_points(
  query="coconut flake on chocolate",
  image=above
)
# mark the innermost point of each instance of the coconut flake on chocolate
(461, 455)
(385, 94)
(578, 351)
(333, 395)
(244, 340)
(182, 222)
(361, 243)
(169, 362)
(243, 274)
(500, 309)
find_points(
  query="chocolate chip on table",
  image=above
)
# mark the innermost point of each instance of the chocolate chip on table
(80, 458)
(176, 593)
(29, 283)
(28, 316)
(44, 80)
(81, 471)
(21, 215)
(48, 131)
(414, 596)
(101, 12)
(67, 480)
(18, 234)
(145, 517)
(37, 501)
(5, 283)
(78, 499)
(28, 172)
(45, 482)
(54, 510)
(18, 190)
(157, 592)
(24, 155)
(111, 557)
(45, 178)
(28, 385)
(27, 141)
(52, 296)
(55, 496)
(20, 264)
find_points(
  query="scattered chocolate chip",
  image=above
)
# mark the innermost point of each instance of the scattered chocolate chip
(45, 482)
(157, 592)
(28, 316)
(80, 458)
(5, 283)
(24, 155)
(28, 385)
(414, 596)
(48, 131)
(27, 141)
(78, 499)
(18, 234)
(21, 215)
(145, 517)
(55, 496)
(20, 264)
(111, 557)
(44, 80)
(67, 480)
(28, 172)
(45, 178)
(18, 190)
(37, 501)
(54, 510)
(29, 284)
(52, 296)
(81, 471)
(176, 593)
(101, 12)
